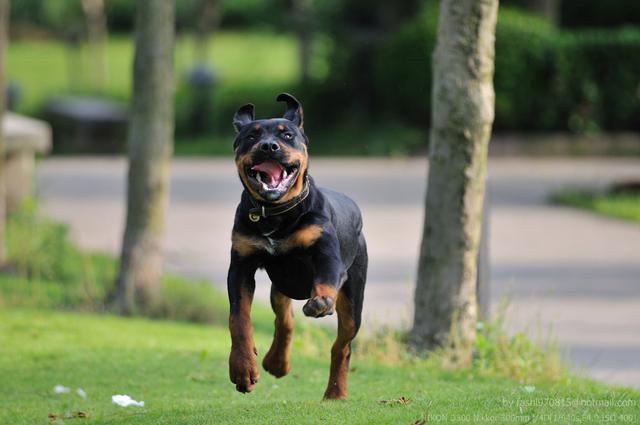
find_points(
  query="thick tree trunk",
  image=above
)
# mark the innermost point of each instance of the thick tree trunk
(97, 32)
(463, 109)
(4, 37)
(150, 150)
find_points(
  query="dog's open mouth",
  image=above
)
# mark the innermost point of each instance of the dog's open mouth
(271, 178)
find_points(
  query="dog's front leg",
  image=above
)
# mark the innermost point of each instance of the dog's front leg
(330, 274)
(243, 370)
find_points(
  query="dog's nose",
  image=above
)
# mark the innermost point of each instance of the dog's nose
(269, 146)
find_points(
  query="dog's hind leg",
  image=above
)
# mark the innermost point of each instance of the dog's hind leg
(276, 362)
(349, 308)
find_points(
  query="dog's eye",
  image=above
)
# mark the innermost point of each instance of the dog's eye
(251, 138)
(287, 136)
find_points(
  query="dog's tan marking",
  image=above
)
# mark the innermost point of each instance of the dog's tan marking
(321, 302)
(341, 350)
(323, 290)
(257, 127)
(295, 155)
(276, 361)
(303, 238)
(245, 245)
(280, 127)
(242, 162)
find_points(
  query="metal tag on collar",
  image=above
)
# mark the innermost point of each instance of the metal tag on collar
(256, 217)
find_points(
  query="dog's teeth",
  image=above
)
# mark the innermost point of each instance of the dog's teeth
(284, 174)
(259, 177)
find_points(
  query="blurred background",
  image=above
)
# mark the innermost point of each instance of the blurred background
(363, 69)
(562, 242)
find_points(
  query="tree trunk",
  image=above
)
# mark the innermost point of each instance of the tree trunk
(208, 19)
(463, 109)
(97, 31)
(302, 17)
(4, 37)
(150, 150)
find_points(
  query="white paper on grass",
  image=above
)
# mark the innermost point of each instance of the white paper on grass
(125, 401)
(81, 393)
(61, 389)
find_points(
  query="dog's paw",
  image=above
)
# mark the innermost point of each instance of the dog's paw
(243, 371)
(335, 393)
(276, 364)
(319, 306)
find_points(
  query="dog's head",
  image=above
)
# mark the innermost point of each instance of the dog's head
(271, 155)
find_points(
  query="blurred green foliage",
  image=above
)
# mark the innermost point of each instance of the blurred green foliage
(50, 15)
(599, 79)
(545, 79)
(599, 13)
(589, 13)
(57, 15)
(40, 252)
(525, 73)
(46, 270)
(250, 67)
(623, 206)
(369, 88)
(402, 70)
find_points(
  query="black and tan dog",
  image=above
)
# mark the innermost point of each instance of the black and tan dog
(308, 239)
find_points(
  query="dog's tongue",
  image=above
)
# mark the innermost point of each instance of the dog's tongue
(272, 170)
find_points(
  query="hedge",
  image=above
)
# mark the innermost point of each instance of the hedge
(590, 13)
(524, 73)
(402, 71)
(599, 13)
(61, 15)
(545, 79)
(599, 84)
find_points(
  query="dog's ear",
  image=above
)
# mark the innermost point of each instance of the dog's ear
(243, 116)
(294, 109)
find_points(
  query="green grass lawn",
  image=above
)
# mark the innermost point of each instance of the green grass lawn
(624, 206)
(180, 371)
(45, 68)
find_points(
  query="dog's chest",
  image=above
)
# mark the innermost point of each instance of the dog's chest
(273, 246)
(303, 238)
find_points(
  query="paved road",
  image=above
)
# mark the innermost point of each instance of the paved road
(572, 271)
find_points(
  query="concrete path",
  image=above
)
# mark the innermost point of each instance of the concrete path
(571, 271)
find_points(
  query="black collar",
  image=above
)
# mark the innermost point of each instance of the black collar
(263, 210)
